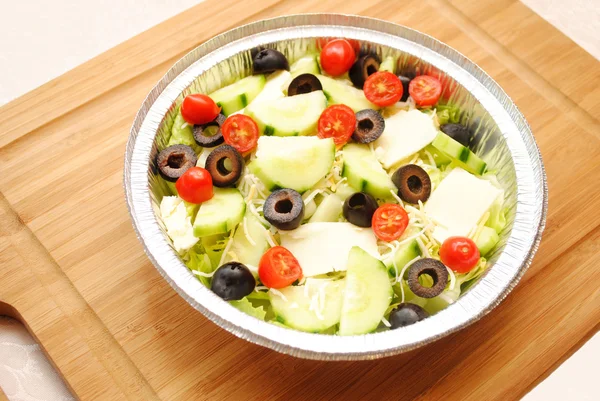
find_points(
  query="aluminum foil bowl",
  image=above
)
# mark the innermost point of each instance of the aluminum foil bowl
(502, 138)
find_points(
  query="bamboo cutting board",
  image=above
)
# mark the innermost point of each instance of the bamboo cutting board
(73, 271)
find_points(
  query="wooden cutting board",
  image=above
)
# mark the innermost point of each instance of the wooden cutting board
(72, 269)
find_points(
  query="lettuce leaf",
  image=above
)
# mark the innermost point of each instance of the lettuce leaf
(448, 114)
(197, 259)
(246, 306)
(183, 134)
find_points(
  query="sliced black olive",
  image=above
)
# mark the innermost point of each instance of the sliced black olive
(458, 132)
(359, 208)
(362, 68)
(369, 126)
(209, 135)
(406, 314)
(405, 81)
(284, 209)
(175, 160)
(434, 269)
(233, 281)
(413, 183)
(225, 165)
(304, 83)
(269, 60)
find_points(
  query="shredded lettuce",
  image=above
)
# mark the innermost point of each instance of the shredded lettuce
(246, 306)
(183, 134)
(196, 259)
(214, 246)
(448, 114)
(497, 219)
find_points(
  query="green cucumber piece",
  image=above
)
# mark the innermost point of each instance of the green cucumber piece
(367, 295)
(238, 95)
(289, 116)
(242, 248)
(364, 172)
(295, 310)
(305, 65)
(344, 191)
(459, 153)
(487, 240)
(388, 64)
(221, 213)
(439, 157)
(339, 93)
(281, 161)
(330, 209)
(402, 256)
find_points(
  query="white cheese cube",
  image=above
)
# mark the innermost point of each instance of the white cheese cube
(405, 133)
(323, 247)
(458, 203)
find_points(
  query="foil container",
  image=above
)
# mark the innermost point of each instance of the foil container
(502, 138)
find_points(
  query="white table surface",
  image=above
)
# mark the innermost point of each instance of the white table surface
(41, 39)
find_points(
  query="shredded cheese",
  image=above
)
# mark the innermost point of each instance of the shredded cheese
(385, 322)
(270, 238)
(246, 233)
(452, 279)
(397, 198)
(402, 298)
(227, 246)
(202, 274)
(279, 294)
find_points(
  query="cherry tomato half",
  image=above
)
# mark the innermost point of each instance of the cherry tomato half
(278, 268)
(241, 132)
(195, 185)
(425, 90)
(337, 57)
(199, 109)
(337, 122)
(460, 254)
(389, 222)
(353, 42)
(383, 88)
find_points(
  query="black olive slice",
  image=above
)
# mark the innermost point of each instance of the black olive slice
(175, 160)
(225, 165)
(233, 281)
(209, 135)
(369, 126)
(304, 83)
(269, 60)
(362, 68)
(359, 208)
(434, 269)
(413, 183)
(458, 132)
(284, 209)
(405, 82)
(406, 314)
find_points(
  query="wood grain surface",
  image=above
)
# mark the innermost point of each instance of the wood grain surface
(75, 273)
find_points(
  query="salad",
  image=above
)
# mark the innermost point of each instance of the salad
(336, 194)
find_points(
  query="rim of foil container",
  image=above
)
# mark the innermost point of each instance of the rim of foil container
(491, 289)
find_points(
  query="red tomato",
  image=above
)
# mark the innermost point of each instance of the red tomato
(460, 254)
(278, 268)
(337, 122)
(353, 42)
(425, 90)
(337, 57)
(241, 132)
(195, 185)
(199, 109)
(383, 88)
(389, 222)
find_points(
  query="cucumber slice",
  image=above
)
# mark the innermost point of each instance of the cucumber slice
(368, 293)
(459, 153)
(364, 172)
(402, 256)
(388, 64)
(238, 95)
(244, 251)
(439, 157)
(339, 93)
(344, 191)
(313, 307)
(281, 162)
(330, 209)
(221, 213)
(487, 240)
(289, 116)
(273, 88)
(182, 134)
(305, 65)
